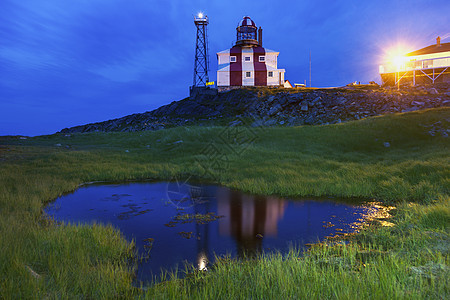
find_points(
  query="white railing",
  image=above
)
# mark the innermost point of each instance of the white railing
(406, 64)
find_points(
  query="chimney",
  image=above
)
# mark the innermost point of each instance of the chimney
(438, 41)
(260, 36)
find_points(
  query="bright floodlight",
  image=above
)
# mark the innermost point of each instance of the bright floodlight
(396, 56)
(200, 15)
(398, 60)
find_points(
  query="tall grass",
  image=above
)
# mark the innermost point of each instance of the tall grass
(41, 259)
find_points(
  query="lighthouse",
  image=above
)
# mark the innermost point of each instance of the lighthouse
(247, 63)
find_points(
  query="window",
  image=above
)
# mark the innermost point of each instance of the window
(232, 58)
(247, 58)
(270, 74)
(248, 74)
(262, 58)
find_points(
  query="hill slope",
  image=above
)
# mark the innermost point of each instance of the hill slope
(286, 107)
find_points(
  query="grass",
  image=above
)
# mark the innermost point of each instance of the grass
(409, 260)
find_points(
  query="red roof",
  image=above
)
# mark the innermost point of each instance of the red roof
(443, 47)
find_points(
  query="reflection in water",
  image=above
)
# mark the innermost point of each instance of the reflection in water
(202, 235)
(250, 224)
(202, 261)
(250, 218)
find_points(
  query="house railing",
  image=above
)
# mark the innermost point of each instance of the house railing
(407, 64)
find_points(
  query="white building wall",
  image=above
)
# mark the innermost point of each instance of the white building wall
(247, 66)
(223, 72)
(274, 80)
(223, 59)
(281, 77)
(271, 59)
(223, 78)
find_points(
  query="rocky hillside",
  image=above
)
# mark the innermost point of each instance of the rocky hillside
(285, 107)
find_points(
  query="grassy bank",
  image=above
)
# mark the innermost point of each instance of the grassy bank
(39, 259)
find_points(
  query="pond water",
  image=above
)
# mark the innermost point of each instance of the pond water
(184, 222)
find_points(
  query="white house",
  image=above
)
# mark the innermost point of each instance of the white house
(427, 65)
(247, 63)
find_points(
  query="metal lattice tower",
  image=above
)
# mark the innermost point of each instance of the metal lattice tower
(201, 64)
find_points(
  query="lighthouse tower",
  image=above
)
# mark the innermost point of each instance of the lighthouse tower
(247, 63)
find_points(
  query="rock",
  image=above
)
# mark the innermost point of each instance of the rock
(417, 103)
(270, 99)
(282, 101)
(410, 109)
(32, 272)
(386, 144)
(257, 123)
(316, 100)
(304, 107)
(433, 91)
(270, 122)
(431, 269)
(274, 109)
(234, 123)
(310, 120)
(341, 100)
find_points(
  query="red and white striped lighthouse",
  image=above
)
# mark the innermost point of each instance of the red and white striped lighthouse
(247, 63)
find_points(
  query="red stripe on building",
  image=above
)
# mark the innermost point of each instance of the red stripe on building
(236, 67)
(260, 67)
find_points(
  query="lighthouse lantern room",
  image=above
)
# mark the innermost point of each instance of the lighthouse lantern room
(247, 63)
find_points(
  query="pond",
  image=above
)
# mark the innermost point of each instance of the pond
(180, 222)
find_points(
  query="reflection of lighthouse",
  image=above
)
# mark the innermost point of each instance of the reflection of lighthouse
(250, 217)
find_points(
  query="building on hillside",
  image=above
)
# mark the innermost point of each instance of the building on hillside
(427, 65)
(288, 84)
(247, 63)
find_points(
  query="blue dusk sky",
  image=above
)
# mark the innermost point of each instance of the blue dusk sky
(71, 62)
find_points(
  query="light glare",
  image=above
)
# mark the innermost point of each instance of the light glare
(398, 60)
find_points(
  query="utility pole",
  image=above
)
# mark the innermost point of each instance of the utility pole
(310, 68)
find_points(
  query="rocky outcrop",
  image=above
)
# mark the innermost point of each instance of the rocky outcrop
(286, 107)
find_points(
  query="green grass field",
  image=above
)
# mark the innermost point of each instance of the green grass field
(39, 259)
